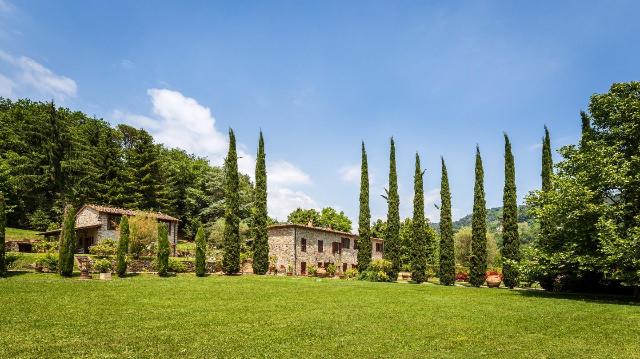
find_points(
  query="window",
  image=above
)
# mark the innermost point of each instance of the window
(303, 268)
(344, 267)
(303, 245)
(379, 247)
(320, 246)
(345, 243)
(336, 248)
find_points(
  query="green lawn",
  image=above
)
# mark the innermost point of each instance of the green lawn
(284, 317)
(17, 234)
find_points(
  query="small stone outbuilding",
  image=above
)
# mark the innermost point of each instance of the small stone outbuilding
(301, 246)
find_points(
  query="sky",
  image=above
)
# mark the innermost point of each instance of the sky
(319, 77)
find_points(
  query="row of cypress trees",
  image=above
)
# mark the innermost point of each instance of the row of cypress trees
(420, 248)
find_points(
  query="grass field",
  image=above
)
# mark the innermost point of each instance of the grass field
(250, 316)
(16, 234)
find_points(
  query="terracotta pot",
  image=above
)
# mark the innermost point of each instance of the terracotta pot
(289, 274)
(493, 281)
(105, 276)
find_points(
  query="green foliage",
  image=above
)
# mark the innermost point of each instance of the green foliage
(104, 249)
(260, 217)
(591, 214)
(364, 218)
(447, 270)
(163, 249)
(462, 244)
(102, 265)
(547, 161)
(143, 232)
(48, 262)
(123, 247)
(392, 245)
(176, 266)
(419, 235)
(331, 270)
(380, 270)
(3, 224)
(67, 242)
(351, 273)
(326, 218)
(201, 252)
(478, 262)
(10, 260)
(231, 259)
(312, 271)
(510, 238)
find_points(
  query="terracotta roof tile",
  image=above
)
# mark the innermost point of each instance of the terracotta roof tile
(320, 229)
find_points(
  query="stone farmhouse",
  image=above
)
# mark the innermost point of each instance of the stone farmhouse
(301, 246)
(95, 223)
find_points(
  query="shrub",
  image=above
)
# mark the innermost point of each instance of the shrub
(104, 249)
(102, 265)
(351, 273)
(45, 246)
(48, 262)
(201, 251)
(143, 233)
(312, 271)
(11, 258)
(380, 270)
(331, 270)
(163, 250)
(177, 266)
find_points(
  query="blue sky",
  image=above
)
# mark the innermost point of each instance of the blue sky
(319, 77)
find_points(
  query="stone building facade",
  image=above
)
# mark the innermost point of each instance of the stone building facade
(301, 246)
(95, 223)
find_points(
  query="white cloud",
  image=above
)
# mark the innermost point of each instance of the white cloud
(127, 64)
(6, 86)
(31, 74)
(182, 122)
(350, 173)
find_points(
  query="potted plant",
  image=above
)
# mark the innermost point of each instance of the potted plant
(290, 270)
(103, 266)
(493, 279)
(331, 270)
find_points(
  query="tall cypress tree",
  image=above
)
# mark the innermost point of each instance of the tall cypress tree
(419, 240)
(261, 241)
(67, 242)
(547, 161)
(163, 250)
(511, 240)
(478, 228)
(364, 227)
(123, 246)
(447, 257)
(231, 258)
(3, 222)
(392, 240)
(201, 249)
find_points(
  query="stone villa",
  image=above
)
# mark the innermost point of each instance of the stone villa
(95, 223)
(301, 246)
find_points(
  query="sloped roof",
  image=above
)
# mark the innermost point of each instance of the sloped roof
(128, 212)
(319, 229)
(57, 231)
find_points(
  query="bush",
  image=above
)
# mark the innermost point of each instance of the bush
(11, 258)
(177, 266)
(45, 246)
(104, 249)
(312, 271)
(351, 273)
(102, 265)
(380, 270)
(48, 262)
(143, 233)
(331, 270)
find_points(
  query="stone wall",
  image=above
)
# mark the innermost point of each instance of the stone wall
(281, 246)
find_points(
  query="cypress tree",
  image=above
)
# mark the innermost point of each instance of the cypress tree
(364, 227)
(392, 240)
(511, 240)
(547, 161)
(201, 250)
(231, 258)
(67, 242)
(419, 242)
(447, 258)
(3, 223)
(478, 228)
(123, 246)
(163, 250)
(261, 241)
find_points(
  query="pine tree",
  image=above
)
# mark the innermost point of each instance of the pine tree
(392, 239)
(231, 259)
(163, 250)
(364, 226)
(3, 222)
(419, 240)
(547, 161)
(510, 237)
(67, 242)
(447, 257)
(123, 246)
(201, 248)
(478, 228)
(260, 217)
